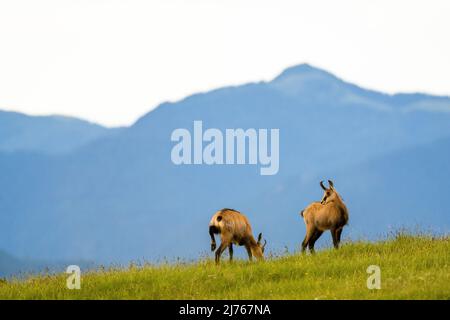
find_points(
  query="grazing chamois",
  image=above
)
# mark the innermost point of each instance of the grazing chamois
(234, 228)
(328, 214)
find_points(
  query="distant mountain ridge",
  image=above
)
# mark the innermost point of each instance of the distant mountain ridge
(120, 198)
(46, 134)
(11, 266)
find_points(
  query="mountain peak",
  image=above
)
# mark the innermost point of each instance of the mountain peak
(303, 69)
(304, 80)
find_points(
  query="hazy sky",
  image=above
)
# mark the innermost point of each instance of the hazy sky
(111, 61)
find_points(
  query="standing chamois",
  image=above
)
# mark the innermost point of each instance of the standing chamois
(328, 214)
(234, 227)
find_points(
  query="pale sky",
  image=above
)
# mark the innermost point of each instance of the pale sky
(111, 61)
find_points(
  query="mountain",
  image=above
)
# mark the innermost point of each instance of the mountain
(416, 180)
(46, 134)
(121, 198)
(11, 266)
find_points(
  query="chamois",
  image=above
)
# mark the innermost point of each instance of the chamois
(328, 214)
(234, 228)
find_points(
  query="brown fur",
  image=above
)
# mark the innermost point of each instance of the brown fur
(234, 228)
(328, 214)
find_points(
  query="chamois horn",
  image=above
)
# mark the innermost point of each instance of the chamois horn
(331, 184)
(259, 237)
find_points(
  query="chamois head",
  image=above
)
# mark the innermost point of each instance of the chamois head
(329, 194)
(262, 246)
(258, 250)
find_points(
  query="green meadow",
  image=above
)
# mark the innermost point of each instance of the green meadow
(412, 267)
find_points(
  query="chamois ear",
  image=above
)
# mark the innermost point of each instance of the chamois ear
(323, 187)
(331, 184)
(259, 238)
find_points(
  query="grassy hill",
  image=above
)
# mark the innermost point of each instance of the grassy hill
(412, 267)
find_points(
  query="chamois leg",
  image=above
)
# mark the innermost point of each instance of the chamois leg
(312, 241)
(335, 238)
(309, 232)
(338, 234)
(220, 250)
(249, 252)
(230, 250)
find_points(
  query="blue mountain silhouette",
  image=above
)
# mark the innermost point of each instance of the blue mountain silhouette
(46, 134)
(120, 198)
